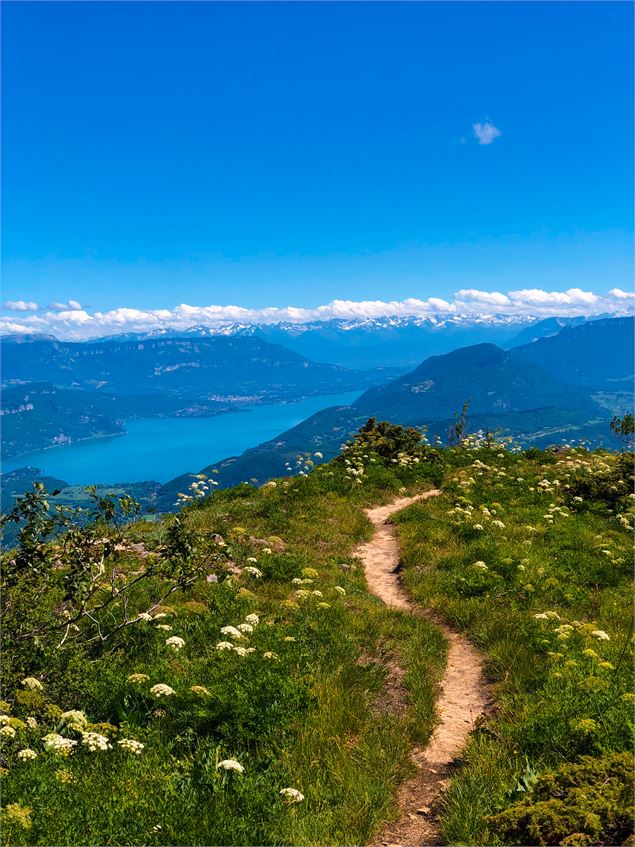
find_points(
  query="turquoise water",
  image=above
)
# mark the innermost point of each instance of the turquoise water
(162, 448)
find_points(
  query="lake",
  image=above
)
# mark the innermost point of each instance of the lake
(162, 448)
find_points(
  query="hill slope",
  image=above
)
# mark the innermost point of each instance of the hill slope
(226, 677)
(504, 392)
(597, 355)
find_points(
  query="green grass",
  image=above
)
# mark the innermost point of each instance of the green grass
(314, 716)
(561, 691)
(310, 719)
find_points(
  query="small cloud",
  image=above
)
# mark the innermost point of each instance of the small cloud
(72, 305)
(20, 306)
(485, 133)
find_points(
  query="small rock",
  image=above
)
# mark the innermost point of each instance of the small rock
(424, 810)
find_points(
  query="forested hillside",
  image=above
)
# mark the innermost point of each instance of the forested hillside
(225, 676)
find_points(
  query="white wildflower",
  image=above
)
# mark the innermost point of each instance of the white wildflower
(94, 741)
(55, 743)
(292, 795)
(232, 631)
(161, 690)
(601, 635)
(245, 628)
(32, 683)
(175, 642)
(138, 677)
(131, 746)
(230, 765)
(27, 753)
(252, 619)
(74, 717)
(224, 645)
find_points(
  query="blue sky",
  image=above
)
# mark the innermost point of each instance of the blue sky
(294, 153)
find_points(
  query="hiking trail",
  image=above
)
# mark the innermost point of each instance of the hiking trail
(463, 694)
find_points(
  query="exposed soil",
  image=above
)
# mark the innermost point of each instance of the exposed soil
(463, 694)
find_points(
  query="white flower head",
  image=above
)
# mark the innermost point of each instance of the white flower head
(33, 684)
(601, 635)
(175, 642)
(27, 754)
(94, 741)
(292, 795)
(161, 690)
(55, 743)
(131, 746)
(232, 631)
(230, 765)
(252, 619)
(224, 645)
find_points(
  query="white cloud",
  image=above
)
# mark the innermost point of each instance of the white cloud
(20, 306)
(73, 323)
(71, 305)
(486, 132)
(491, 298)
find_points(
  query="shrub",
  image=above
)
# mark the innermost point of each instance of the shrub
(589, 802)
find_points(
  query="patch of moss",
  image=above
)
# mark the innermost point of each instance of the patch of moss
(589, 802)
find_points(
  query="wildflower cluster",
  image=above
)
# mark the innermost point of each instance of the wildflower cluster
(199, 489)
(303, 465)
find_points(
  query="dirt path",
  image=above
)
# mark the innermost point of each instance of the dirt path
(463, 695)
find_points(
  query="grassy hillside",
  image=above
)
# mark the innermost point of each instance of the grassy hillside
(116, 636)
(531, 556)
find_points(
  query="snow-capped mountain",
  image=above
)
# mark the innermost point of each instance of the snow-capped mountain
(394, 341)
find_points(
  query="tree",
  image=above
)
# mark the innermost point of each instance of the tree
(623, 430)
(457, 432)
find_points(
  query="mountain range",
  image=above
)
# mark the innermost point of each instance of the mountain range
(568, 382)
(543, 392)
(394, 341)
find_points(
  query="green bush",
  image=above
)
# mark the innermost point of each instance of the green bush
(590, 802)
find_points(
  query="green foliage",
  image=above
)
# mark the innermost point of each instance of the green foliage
(242, 630)
(585, 803)
(294, 702)
(385, 440)
(624, 429)
(540, 576)
(458, 430)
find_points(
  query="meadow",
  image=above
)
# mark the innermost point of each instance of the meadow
(219, 677)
